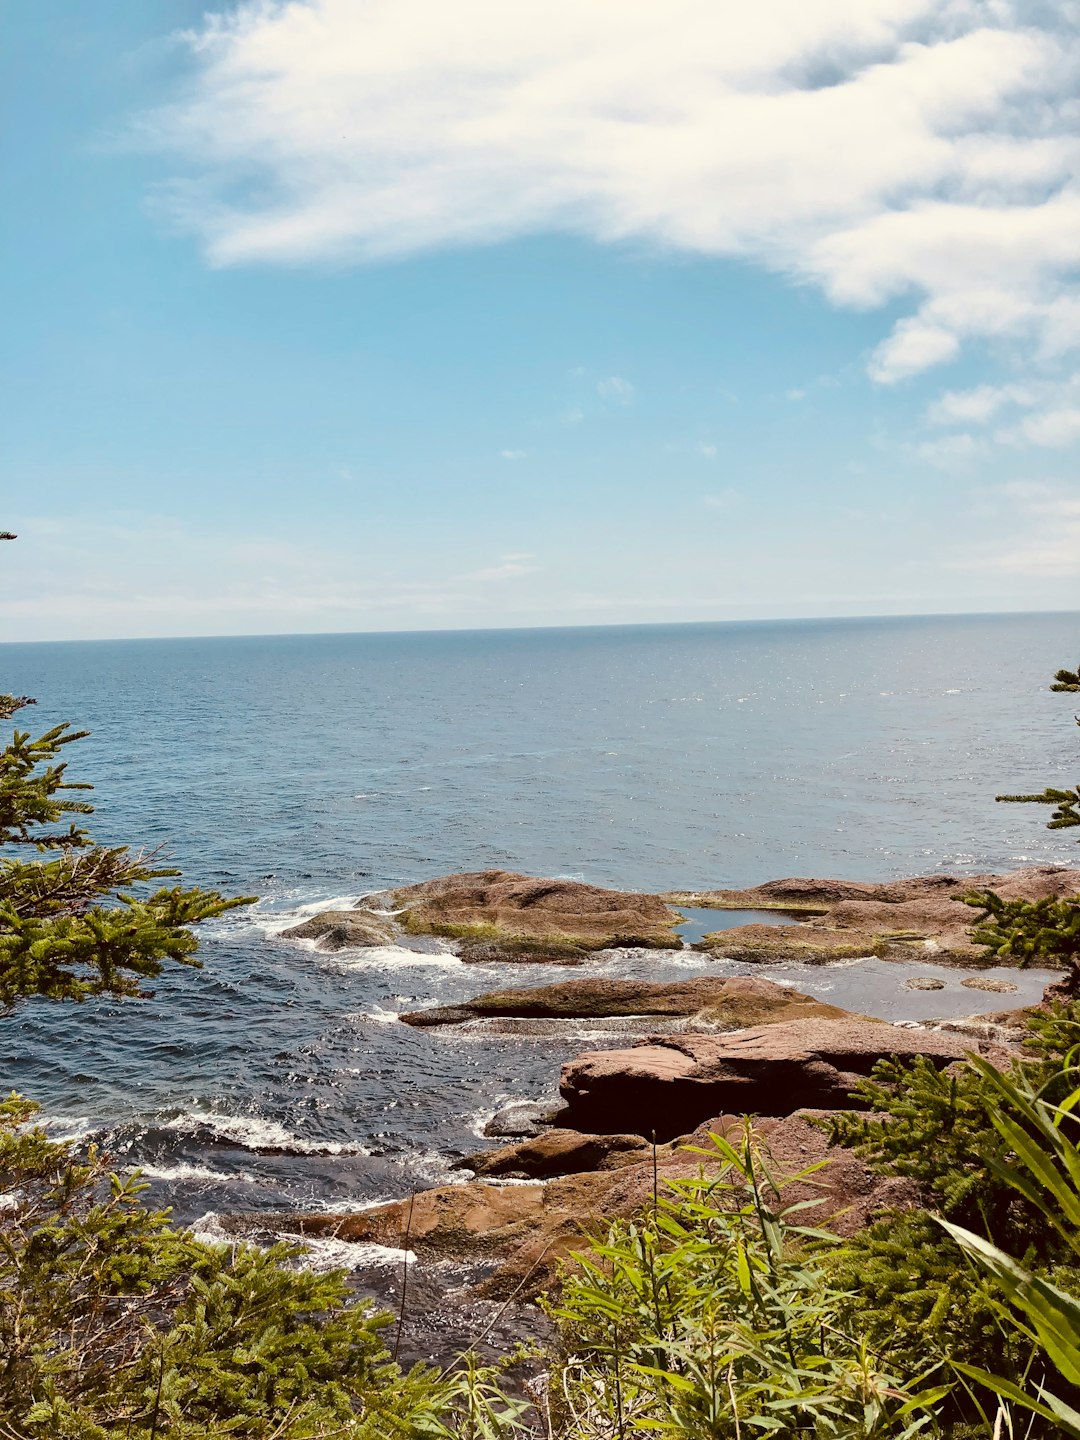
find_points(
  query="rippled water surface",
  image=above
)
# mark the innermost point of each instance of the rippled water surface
(314, 769)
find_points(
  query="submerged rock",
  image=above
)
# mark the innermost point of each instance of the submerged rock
(730, 1002)
(518, 917)
(512, 1122)
(345, 930)
(669, 1085)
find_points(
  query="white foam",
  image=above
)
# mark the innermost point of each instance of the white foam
(195, 1172)
(378, 1016)
(208, 1228)
(256, 1132)
(351, 1207)
(330, 1253)
(396, 956)
(64, 1129)
(321, 1252)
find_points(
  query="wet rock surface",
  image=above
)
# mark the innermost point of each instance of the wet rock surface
(983, 982)
(514, 1122)
(345, 930)
(558, 1152)
(719, 1002)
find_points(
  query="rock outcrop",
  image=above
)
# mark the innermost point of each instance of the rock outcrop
(500, 915)
(669, 1085)
(924, 915)
(727, 1003)
(529, 1228)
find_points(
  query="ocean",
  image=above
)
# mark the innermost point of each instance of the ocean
(310, 770)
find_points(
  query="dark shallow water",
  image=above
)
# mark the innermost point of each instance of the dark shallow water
(308, 769)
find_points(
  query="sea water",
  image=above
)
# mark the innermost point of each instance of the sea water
(309, 770)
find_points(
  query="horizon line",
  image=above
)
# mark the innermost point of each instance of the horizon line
(548, 629)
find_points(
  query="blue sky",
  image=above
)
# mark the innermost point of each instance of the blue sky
(386, 314)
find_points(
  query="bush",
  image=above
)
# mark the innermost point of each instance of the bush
(716, 1313)
(113, 1323)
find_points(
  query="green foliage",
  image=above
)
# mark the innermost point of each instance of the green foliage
(1065, 802)
(908, 1287)
(112, 1323)
(70, 925)
(716, 1313)
(1022, 931)
(1042, 930)
(1044, 1167)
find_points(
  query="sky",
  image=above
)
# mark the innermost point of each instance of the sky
(340, 315)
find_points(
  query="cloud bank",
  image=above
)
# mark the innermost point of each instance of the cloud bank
(916, 150)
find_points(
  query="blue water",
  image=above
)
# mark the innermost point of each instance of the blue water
(305, 769)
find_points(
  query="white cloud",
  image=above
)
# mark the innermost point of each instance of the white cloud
(1042, 523)
(954, 453)
(513, 454)
(1051, 427)
(707, 452)
(1052, 418)
(617, 389)
(913, 346)
(920, 150)
(510, 567)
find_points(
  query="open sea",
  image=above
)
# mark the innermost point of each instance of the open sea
(313, 769)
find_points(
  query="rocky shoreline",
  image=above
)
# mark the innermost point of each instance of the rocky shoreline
(497, 916)
(694, 1057)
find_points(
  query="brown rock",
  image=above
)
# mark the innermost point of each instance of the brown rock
(984, 982)
(344, 930)
(671, 1084)
(723, 1002)
(850, 919)
(530, 1228)
(540, 919)
(782, 943)
(559, 1152)
(453, 1219)
(924, 982)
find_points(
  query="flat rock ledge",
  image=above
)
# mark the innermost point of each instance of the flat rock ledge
(925, 916)
(722, 1003)
(668, 1085)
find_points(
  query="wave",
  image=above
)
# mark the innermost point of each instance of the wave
(257, 1134)
(321, 1253)
(65, 1129)
(184, 1172)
